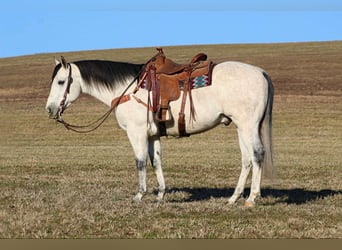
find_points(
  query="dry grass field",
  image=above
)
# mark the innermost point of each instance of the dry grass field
(58, 184)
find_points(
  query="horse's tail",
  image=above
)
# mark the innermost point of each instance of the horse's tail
(266, 133)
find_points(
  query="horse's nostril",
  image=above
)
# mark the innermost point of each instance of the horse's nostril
(50, 111)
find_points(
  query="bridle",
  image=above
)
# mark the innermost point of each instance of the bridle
(62, 107)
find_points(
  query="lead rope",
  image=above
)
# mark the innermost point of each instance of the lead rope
(77, 128)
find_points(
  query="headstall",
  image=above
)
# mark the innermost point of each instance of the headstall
(62, 106)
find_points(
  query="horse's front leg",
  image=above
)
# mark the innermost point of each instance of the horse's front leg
(139, 142)
(155, 153)
(141, 167)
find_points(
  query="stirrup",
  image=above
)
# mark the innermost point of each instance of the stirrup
(167, 116)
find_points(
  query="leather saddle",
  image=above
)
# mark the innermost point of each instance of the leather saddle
(166, 79)
(167, 66)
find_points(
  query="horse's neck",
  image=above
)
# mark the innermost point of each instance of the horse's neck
(103, 94)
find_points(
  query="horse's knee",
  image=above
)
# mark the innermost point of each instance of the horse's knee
(141, 165)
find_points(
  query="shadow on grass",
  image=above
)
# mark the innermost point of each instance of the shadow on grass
(289, 196)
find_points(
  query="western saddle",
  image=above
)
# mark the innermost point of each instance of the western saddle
(165, 79)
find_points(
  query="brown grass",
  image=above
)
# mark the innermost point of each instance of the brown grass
(57, 184)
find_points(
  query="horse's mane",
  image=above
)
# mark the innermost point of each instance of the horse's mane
(108, 74)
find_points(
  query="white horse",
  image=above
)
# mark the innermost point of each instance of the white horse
(239, 92)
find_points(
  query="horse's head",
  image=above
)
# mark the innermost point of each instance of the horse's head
(64, 89)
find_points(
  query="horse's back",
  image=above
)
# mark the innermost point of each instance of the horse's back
(238, 73)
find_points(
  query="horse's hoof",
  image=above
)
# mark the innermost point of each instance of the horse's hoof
(249, 204)
(160, 197)
(138, 197)
(232, 200)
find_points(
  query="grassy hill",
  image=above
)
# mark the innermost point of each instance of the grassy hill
(57, 184)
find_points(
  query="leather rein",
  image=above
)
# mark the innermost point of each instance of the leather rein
(96, 124)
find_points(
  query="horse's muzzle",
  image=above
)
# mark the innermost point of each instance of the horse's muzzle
(53, 112)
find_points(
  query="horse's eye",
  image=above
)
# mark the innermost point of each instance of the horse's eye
(61, 82)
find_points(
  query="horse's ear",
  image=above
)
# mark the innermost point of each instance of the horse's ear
(56, 61)
(64, 62)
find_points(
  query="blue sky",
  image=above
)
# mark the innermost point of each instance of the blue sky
(30, 27)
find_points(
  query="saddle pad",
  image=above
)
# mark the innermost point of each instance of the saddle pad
(203, 80)
(200, 81)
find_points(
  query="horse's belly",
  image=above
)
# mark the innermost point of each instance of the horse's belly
(206, 118)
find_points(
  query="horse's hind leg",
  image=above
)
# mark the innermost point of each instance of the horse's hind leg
(257, 158)
(245, 168)
(252, 153)
(155, 154)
